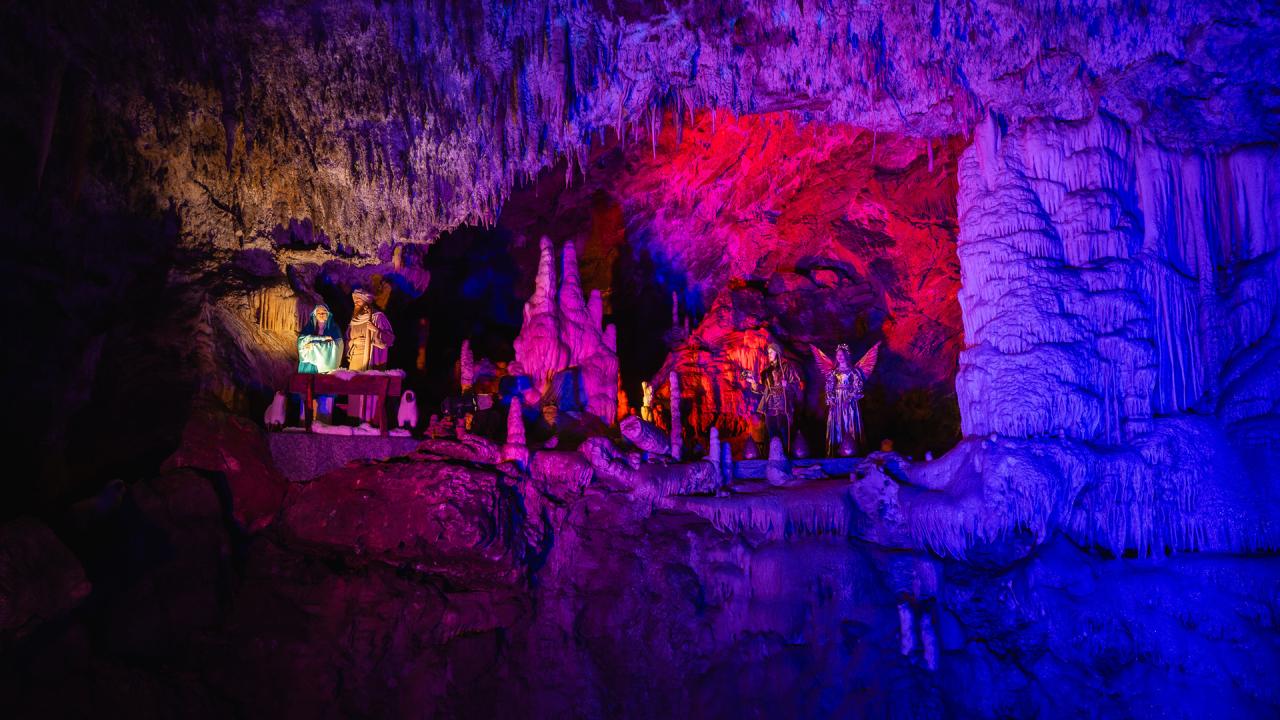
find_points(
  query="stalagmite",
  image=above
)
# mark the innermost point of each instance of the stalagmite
(565, 331)
(713, 448)
(578, 322)
(514, 449)
(928, 642)
(538, 347)
(466, 366)
(906, 637)
(677, 427)
(777, 470)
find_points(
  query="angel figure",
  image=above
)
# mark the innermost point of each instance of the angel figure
(845, 382)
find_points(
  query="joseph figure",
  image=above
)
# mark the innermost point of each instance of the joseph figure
(369, 338)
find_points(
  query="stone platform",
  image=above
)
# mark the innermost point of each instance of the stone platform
(302, 456)
(831, 467)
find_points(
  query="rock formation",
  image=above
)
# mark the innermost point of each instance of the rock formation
(563, 331)
(515, 449)
(466, 366)
(1061, 218)
(677, 422)
(645, 436)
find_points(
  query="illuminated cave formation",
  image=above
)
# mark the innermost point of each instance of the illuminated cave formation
(565, 236)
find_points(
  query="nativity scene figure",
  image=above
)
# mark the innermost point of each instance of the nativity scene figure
(845, 385)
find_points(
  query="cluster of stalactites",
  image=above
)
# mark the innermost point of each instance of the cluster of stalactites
(403, 120)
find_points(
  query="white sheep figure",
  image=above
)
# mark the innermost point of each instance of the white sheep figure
(408, 414)
(275, 415)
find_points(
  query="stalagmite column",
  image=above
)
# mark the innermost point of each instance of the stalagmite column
(515, 449)
(590, 347)
(776, 471)
(713, 448)
(675, 309)
(538, 347)
(577, 326)
(906, 637)
(677, 441)
(562, 330)
(466, 366)
(928, 642)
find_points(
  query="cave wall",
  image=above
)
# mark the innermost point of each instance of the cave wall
(188, 178)
(147, 139)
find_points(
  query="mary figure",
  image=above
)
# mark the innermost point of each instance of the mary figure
(320, 351)
(319, 343)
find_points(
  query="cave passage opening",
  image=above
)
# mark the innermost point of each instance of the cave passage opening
(814, 234)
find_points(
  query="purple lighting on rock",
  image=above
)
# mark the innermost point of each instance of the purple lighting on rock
(611, 268)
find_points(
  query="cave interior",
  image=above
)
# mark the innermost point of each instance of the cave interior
(616, 246)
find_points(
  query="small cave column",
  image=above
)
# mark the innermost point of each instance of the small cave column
(515, 449)
(677, 438)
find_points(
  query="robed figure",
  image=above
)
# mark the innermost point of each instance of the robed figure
(369, 336)
(779, 389)
(369, 340)
(845, 385)
(320, 343)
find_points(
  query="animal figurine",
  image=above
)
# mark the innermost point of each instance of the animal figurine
(407, 417)
(275, 415)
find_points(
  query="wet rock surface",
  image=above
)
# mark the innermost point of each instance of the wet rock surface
(585, 586)
(40, 579)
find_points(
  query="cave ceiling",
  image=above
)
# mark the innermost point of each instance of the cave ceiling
(387, 122)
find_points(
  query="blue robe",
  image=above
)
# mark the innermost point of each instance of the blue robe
(319, 348)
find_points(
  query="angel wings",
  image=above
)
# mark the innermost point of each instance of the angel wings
(844, 389)
(826, 365)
